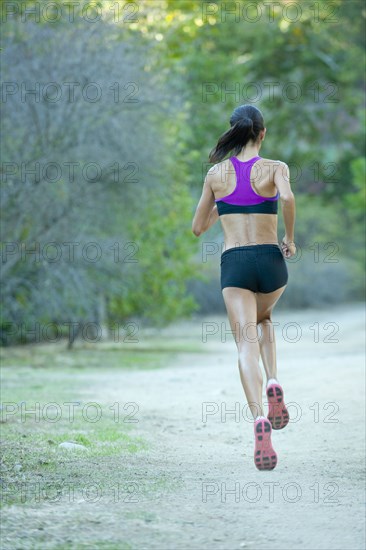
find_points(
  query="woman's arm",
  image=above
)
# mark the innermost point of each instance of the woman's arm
(206, 212)
(282, 182)
(214, 216)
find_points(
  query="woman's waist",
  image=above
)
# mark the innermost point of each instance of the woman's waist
(249, 246)
(249, 231)
(245, 240)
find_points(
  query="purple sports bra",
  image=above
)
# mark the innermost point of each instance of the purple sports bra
(243, 200)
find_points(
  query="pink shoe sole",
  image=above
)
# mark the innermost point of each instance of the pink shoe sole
(265, 457)
(277, 411)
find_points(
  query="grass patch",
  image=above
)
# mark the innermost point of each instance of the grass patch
(43, 408)
(54, 357)
(32, 463)
(35, 470)
(95, 545)
(145, 355)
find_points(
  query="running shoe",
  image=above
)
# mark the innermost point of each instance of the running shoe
(265, 457)
(277, 411)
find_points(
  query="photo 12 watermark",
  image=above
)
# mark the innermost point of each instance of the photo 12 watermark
(270, 12)
(290, 332)
(52, 332)
(238, 412)
(70, 412)
(270, 91)
(128, 492)
(73, 172)
(69, 92)
(270, 492)
(70, 252)
(315, 252)
(71, 11)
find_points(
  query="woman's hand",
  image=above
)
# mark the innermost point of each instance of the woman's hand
(288, 247)
(214, 216)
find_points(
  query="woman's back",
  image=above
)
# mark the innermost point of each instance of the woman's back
(247, 182)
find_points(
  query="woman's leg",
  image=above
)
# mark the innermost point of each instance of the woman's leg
(267, 342)
(277, 412)
(241, 306)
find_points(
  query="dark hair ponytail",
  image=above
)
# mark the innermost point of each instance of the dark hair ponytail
(246, 123)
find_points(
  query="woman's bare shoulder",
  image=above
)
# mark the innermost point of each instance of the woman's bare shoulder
(218, 171)
(271, 168)
(272, 162)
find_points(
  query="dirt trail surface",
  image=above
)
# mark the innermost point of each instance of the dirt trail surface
(195, 486)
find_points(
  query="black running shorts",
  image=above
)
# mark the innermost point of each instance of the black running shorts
(259, 268)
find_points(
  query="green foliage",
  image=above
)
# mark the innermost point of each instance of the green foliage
(155, 286)
(356, 200)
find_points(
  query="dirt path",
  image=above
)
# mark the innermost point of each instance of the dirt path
(208, 494)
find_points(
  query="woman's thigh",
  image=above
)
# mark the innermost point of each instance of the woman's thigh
(266, 303)
(241, 307)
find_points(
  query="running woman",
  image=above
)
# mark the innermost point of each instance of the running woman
(246, 189)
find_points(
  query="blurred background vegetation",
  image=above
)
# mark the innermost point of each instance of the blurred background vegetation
(99, 184)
